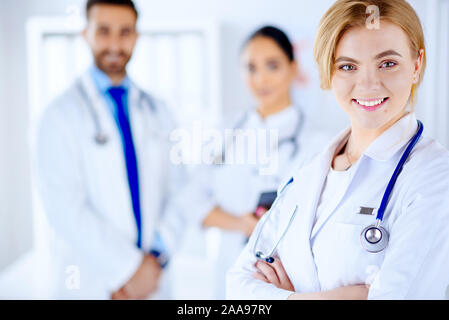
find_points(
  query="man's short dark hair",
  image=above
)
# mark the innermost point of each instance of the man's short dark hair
(125, 3)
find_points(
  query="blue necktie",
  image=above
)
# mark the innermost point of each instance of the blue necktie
(117, 94)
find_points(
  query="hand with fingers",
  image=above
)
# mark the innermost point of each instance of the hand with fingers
(275, 274)
(143, 283)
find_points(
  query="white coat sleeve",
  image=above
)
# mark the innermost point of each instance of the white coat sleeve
(417, 257)
(62, 188)
(240, 281)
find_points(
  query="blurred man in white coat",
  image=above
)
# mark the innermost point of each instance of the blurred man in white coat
(104, 172)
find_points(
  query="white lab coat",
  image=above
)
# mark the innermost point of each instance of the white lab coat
(327, 254)
(85, 191)
(236, 188)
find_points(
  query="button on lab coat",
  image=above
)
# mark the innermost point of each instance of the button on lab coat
(327, 254)
(85, 192)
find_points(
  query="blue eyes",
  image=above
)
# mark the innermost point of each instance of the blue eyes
(347, 67)
(384, 65)
(388, 64)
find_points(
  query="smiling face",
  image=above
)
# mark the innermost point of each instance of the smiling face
(111, 35)
(373, 75)
(268, 72)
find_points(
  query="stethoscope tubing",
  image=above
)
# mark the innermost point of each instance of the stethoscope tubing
(379, 218)
(100, 137)
(268, 258)
(397, 171)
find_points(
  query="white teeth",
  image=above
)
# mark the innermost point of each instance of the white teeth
(370, 103)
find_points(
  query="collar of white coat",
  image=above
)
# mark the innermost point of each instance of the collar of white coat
(387, 144)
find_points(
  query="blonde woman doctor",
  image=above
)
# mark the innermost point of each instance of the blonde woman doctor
(325, 238)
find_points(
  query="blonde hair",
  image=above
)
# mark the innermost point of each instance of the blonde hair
(345, 14)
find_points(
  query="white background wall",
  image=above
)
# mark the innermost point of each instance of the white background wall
(4, 218)
(237, 19)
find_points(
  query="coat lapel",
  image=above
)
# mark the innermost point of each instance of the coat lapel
(305, 277)
(334, 202)
(307, 191)
(318, 179)
(152, 152)
(107, 163)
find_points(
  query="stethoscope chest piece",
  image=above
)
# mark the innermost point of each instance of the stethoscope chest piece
(374, 238)
(261, 256)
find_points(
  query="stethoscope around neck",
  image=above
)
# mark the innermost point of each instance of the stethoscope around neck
(100, 137)
(374, 238)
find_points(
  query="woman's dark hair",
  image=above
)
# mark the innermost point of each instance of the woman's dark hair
(278, 36)
(125, 3)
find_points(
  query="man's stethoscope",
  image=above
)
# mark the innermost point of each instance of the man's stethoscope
(100, 136)
(373, 238)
